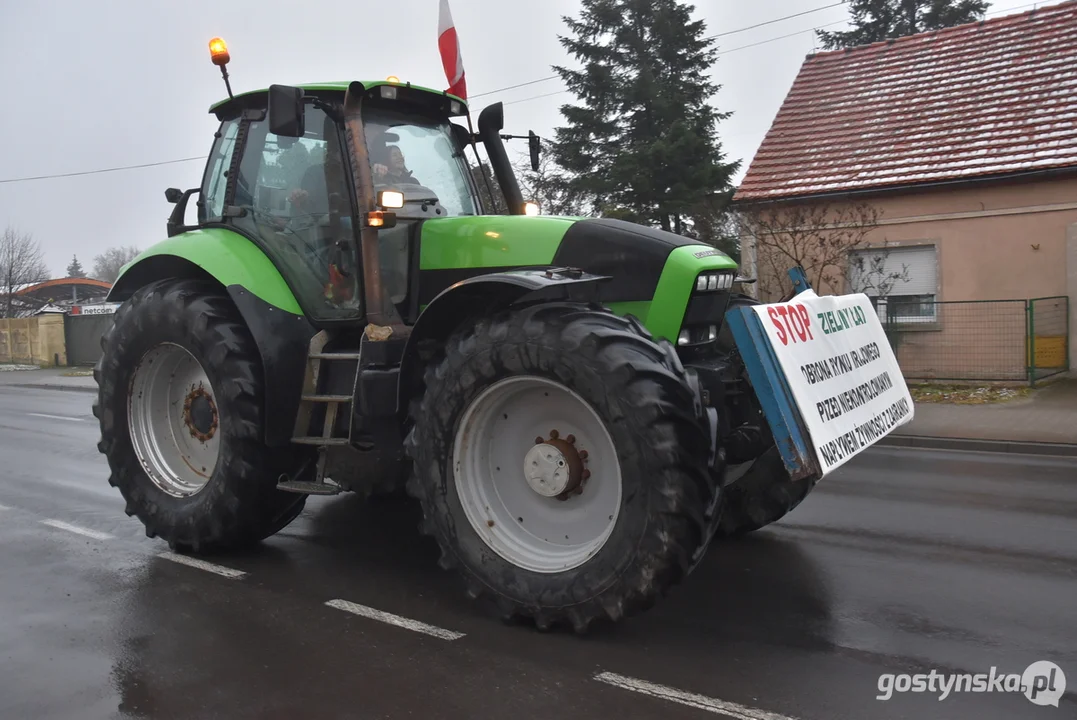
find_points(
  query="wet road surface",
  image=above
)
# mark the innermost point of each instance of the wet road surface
(903, 562)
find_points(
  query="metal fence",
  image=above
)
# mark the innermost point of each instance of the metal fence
(987, 340)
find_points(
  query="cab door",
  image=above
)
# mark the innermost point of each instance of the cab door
(292, 197)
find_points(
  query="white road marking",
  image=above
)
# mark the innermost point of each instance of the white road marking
(60, 524)
(203, 565)
(4, 507)
(382, 616)
(57, 417)
(701, 702)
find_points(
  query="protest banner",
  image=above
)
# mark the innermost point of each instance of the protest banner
(840, 370)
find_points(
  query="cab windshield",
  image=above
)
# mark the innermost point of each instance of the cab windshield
(409, 152)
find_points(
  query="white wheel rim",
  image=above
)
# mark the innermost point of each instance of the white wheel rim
(173, 420)
(513, 511)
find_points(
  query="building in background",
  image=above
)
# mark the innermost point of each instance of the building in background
(964, 142)
(61, 295)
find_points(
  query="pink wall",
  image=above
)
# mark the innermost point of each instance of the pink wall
(992, 257)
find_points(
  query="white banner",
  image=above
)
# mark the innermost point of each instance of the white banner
(102, 309)
(841, 369)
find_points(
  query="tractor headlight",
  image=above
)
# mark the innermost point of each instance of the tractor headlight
(714, 281)
(697, 335)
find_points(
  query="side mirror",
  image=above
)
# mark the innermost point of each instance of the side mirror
(461, 135)
(179, 198)
(286, 111)
(535, 146)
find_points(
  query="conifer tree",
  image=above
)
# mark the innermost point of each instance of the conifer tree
(74, 270)
(878, 20)
(640, 142)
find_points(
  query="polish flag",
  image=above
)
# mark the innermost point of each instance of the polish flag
(449, 46)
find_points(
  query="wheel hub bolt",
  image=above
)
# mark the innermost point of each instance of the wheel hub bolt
(571, 439)
(583, 454)
(554, 434)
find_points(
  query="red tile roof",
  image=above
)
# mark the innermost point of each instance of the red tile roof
(985, 98)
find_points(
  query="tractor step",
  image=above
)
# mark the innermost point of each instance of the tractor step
(328, 398)
(319, 440)
(309, 488)
(334, 356)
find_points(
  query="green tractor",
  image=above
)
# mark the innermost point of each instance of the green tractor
(559, 394)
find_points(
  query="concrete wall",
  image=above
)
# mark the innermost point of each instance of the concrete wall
(1071, 285)
(34, 341)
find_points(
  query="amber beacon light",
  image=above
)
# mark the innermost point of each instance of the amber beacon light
(218, 53)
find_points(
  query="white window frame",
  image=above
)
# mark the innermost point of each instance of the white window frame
(882, 304)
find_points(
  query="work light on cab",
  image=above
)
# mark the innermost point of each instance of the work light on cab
(388, 92)
(391, 199)
(531, 208)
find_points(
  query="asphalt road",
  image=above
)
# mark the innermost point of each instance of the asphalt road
(903, 562)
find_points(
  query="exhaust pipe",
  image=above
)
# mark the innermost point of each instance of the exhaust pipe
(491, 121)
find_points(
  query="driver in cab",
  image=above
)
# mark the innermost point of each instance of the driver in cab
(394, 171)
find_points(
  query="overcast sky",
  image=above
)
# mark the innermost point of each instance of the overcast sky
(123, 82)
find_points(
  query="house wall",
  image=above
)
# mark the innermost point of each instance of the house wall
(1009, 242)
(37, 340)
(984, 254)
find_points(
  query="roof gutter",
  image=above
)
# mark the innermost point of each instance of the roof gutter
(1025, 176)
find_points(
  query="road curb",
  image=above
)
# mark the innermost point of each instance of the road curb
(976, 445)
(46, 386)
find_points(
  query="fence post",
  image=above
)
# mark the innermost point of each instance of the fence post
(1030, 329)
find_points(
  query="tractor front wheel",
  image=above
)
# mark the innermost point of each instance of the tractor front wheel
(560, 459)
(180, 410)
(761, 492)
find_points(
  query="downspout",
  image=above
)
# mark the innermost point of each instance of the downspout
(379, 308)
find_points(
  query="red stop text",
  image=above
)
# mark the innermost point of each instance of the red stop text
(792, 323)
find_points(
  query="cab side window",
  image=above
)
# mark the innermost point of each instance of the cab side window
(295, 200)
(215, 180)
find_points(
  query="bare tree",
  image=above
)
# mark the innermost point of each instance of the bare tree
(22, 262)
(829, 241)
(549, 186)
(493, 200)
(108, 264)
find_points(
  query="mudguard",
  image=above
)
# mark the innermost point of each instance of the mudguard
(262, 297)
(479, 295)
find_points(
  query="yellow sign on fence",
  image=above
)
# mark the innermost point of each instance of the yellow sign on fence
(1050, 352)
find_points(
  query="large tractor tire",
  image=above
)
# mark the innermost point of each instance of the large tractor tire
(560, 459)
(760, 492)
(180, 410)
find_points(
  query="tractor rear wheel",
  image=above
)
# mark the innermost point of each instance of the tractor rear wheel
(180, 410)
(560, 459)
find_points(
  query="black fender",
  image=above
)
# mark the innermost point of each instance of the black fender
(282, 338)
(478, 296)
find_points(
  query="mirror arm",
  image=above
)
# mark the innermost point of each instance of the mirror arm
(175, 224)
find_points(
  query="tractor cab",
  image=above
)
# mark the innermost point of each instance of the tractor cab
(327, 177)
